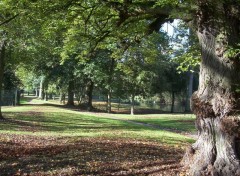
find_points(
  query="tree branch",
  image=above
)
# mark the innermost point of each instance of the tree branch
(8, 20)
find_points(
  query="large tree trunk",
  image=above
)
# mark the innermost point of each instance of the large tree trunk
(70, 93)
(2, 63)
(217, 101)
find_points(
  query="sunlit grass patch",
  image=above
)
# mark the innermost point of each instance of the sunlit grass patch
(178, 122)
(49, 120)
(43, 139)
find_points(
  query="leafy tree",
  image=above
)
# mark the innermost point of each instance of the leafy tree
(217, 99)
(216, 103)
(176, 83)
(187, 54)
(98, 71)
(11, 81)
(137, 66)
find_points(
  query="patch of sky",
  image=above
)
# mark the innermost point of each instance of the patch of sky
(177, 41)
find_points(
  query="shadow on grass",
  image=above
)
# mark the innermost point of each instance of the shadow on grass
(97, 109)
(65, 124)
(176, 125)
(90, 156)
(59, 122)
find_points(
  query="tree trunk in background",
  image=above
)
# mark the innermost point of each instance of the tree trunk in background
(189, 92)
(46, 91)
(110, 79)
(43, 94)
(50, 96)
(41, 91)
(109, 101)
(89, 93)
(132, 104)
(119, 103)
(2, 63)
(17, 97)
(62, 97)
(36, 92)
(217, 101)
(70, 93)
(46, 96)
(173, 102)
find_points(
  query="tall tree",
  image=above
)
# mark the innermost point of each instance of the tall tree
(217, 101)
(176, 83)
(187, 54)
(2, 63)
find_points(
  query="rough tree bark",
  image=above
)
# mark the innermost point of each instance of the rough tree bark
(217, 101)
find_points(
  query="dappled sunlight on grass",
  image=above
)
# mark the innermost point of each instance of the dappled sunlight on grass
(52, 121)
(180, 122)
(52, 140)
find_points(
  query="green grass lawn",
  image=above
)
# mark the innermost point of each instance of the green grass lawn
(179, 122)
(48, 139)
(54, 121)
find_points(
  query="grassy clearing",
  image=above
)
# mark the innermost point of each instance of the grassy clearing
(51, 140)
(54, 121)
